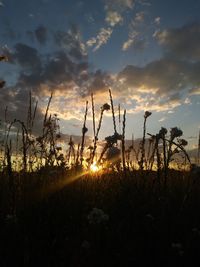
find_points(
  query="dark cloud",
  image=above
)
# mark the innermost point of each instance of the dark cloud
(168, 76)
(176, 73)
(27, 57)
(31, 36)
(182, 43)
(54, 70)
(41, 34)
(17, 103)
(71, 42)
(100, 81)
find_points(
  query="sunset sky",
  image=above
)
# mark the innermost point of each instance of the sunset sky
(146, 51)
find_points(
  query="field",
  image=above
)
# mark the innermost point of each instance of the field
(127, 205)
(110, 219)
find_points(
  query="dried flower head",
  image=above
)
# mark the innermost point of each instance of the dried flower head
(3, 58)
(84, 130)
(97, 216)
(106, 106)
(2, 83)
(147, 114)
(183, 142)
(163, 131)
(113, 138)
(175, 132)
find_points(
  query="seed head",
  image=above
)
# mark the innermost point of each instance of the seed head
(183, 142)
(175, 132)
(163, 131)
(84, 130)
(106, 106)
(147, 114)
(2, 83)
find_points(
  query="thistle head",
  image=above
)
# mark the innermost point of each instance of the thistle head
(84, 130)
(163, 131)
(105, 106)
(147, 114)
(2, 83)
(183, 142)
(175, 132)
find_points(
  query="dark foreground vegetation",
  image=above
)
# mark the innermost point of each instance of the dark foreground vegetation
(117, 205)
(110, 219)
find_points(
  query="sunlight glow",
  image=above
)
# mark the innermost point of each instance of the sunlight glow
(95, 168)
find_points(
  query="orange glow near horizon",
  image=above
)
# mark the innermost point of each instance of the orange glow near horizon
(94, 168)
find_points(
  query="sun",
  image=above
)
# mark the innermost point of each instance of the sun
(94, 167)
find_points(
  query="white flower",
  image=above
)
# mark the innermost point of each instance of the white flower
(97, 216)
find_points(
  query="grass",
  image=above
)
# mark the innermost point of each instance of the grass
(54, 224)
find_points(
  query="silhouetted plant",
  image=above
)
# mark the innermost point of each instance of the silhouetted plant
(142, 159)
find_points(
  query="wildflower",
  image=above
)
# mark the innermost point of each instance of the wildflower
(84, 130)
(97, 216)
(3, 58)
(2, 83)
(106, 106)
(183, 142)
(147, 114)
(113, 138)
(163, 131)
(175, 132)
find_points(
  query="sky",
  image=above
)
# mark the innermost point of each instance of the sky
(146, 51)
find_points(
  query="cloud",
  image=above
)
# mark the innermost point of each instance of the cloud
(113, 18)
(41, 34)
(167, 80)
(165, 83)
(71, 42)
(102, 38)
(136, 36)
(119, 4)
(182, 43)
(162, 119)
(114, 10)
(157, 20)
(139, 17)
(27, 57)
(91, 42)
(126, 45)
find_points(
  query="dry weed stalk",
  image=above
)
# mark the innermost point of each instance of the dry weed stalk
(123, 142)
(84, 131)
(143, 158)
